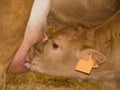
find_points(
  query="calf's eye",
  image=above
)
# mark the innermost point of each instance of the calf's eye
(55, 45)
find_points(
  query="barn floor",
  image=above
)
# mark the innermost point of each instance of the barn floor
(37, 81)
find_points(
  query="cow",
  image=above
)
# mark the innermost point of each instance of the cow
(71, 45)
(22, 25)
(13, 20)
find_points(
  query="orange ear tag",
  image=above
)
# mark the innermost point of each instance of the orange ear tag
(85, 65)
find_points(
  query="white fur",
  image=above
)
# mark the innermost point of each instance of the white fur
(39, 13)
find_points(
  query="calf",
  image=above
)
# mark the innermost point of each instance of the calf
(72, 46)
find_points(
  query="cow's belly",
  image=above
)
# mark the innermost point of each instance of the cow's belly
(88, 12)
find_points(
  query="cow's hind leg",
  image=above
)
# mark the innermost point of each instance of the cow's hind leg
(2, 77)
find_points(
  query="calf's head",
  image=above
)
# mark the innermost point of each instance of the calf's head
(62, 51)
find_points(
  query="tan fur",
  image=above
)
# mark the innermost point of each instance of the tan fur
(88, 13)
(13, 20)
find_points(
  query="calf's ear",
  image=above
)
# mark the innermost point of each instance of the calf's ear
(97, 57)
(88, 59)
